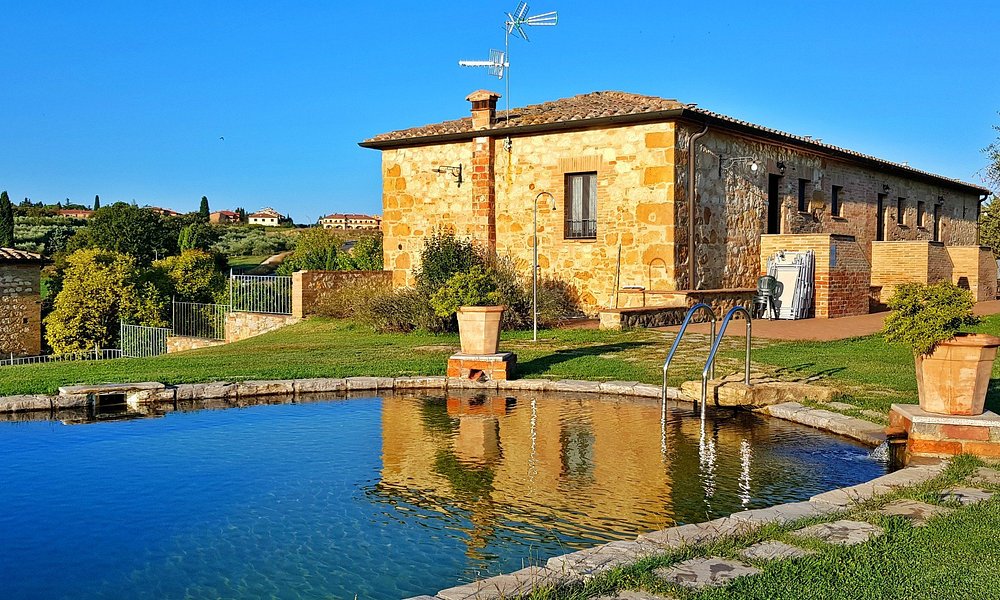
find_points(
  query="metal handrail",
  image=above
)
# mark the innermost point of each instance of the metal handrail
(710, 364)
(687, 319)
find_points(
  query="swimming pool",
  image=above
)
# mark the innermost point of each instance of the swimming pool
(380, 498)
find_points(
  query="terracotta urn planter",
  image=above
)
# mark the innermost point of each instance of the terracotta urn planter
(952, 380)
(479, 328)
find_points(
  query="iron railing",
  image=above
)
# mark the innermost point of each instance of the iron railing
(267, 294)
(585, 229)
(138, 341)
(193, 319)
(95, 354)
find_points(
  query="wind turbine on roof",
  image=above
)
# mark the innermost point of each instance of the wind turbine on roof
(498, 64)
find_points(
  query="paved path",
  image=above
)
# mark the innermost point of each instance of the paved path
(818, 329)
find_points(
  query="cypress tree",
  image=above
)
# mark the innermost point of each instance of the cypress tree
(6, 221)
(203, 212)
(97, 202)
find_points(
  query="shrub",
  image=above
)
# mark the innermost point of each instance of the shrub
(351, 300)
(443, 255)
(366, 255)
(402, 310)
(193, 276)
(924, 315)
(316, 250)
(101, 288)
(475, 288)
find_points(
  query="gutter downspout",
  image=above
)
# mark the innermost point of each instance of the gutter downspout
(692, 159)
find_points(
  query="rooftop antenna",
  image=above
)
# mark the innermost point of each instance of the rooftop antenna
(498, 63)
(515, 23)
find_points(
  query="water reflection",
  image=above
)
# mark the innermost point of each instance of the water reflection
(563, 469)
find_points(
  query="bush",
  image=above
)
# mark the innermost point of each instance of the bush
(100, 288)
(351, 299)
(402, 310)
(316, 250)
(475, 288)
(366, 255)
(925, 315)
(443, 255)
(193, 276)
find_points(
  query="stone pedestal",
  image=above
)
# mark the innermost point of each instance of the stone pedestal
(482, 367)
(930, 434)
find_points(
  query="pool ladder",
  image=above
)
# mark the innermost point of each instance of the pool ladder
(717, 341)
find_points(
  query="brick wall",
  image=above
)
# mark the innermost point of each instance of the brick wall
(843, 274)
(20, 310)
(895, 263)
(311, 288)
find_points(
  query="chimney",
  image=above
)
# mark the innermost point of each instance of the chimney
(484, 109)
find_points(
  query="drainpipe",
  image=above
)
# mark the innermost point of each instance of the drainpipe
(692, 157)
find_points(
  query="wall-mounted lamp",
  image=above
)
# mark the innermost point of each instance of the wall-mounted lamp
(456, 172)
(727, 164)
(781, 167)
(940, 199)
(885, 188)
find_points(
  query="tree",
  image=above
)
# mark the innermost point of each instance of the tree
(242, 213)
(128, 229)
(203, 211)
(316, 250)
(97, 202)
(6, 221)
(101, 288)
(989, 226)
(193, 276)
(198, 236)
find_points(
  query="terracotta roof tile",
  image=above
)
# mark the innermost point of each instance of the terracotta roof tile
(20, 256)
(596, 105)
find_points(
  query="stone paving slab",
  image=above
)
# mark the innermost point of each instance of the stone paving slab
(699, 573)
(841, 533)
(774, 550)
(633, 595)
(986, 476)
(965, 495)
(585, 564)
(874, 414)
(856, 494)
(512, 585)
(916, 512)
(841, 405)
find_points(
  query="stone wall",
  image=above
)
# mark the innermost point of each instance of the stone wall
(843, 274)
(243, 325)
(311, 288)
(181, 343)
(733, 206)
(971, 267)
(20, 310)
(634, 167)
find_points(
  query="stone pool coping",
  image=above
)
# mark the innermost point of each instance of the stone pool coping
(78, 396)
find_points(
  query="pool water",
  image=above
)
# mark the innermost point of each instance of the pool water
(380, 498)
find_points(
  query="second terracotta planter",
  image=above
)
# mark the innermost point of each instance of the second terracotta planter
(953, 379)
(479, 329)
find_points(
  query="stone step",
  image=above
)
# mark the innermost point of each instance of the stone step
(762, 391)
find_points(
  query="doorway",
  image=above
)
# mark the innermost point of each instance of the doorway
(880, 213)
(773, 203)
(937, 222)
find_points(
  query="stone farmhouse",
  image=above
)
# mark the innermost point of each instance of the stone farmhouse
(20, 303)
(613, 175)
(351, 221)
(223, 216)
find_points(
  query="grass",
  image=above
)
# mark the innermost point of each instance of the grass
(954, 556)
(333, 348)
(240, 264)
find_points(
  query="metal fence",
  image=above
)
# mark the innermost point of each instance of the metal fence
(138, 341)
(95, 354)
(260, 294)
(200, 320)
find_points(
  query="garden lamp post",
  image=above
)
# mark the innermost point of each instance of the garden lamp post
(534, 269)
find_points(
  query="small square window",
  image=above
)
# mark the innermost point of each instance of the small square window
(581, 206)
(901, 211)
(835, 207)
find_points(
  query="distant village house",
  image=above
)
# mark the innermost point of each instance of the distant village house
(351, 221)
(224, 216)
(640, 192)
(267, 217)
(75, 213)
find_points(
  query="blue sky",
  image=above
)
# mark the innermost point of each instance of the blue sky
(129, 99)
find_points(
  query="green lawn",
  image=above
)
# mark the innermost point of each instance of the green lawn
(240, 264)
(955, 556)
